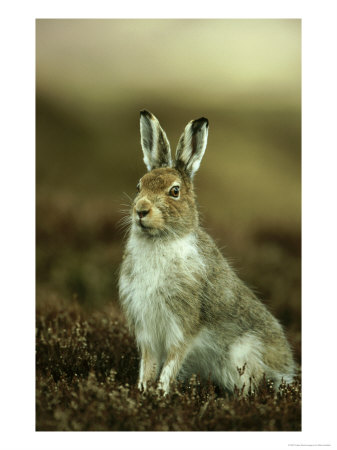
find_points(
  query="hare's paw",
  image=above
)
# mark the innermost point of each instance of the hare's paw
(163, 388)
(165, 379)
(142, 385)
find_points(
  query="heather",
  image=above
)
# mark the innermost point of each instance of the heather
(86, 376)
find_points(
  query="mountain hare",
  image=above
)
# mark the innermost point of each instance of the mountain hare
(189, 311)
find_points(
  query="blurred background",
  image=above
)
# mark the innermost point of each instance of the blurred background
(92, 79)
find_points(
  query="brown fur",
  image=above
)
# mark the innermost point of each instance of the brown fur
(188, 309)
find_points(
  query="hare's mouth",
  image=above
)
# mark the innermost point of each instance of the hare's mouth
(140, 223)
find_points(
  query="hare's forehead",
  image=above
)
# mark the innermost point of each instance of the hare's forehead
(159, 181)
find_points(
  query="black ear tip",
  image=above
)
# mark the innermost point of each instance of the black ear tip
(198, 123)
(145, 113)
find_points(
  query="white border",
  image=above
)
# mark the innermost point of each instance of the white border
(18, 215)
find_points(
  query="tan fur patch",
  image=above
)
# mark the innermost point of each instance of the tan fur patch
(165, 213)
(149, 366)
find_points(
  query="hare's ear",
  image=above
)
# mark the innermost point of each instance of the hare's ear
(192, 146)
(155, 145)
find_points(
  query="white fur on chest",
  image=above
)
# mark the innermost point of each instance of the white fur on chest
(147, 290)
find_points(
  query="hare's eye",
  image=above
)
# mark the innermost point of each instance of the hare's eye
(138, 187)
(174, 191)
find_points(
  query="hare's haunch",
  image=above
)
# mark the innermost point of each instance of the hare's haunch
(189, 311)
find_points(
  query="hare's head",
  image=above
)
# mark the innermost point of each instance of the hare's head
(165, 203)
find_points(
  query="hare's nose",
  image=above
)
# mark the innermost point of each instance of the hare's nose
(142, 213)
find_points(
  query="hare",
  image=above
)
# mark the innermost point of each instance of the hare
(188, 310)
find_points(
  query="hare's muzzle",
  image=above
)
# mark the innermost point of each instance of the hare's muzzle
(148, 216)
(142, 208)
(142, 213)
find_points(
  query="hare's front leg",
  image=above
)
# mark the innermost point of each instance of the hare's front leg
(171, 367)
(148, 368)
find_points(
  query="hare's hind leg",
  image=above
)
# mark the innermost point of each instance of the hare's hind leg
(148, 368)
(245, 365)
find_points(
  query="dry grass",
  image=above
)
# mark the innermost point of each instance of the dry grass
(86, 380)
